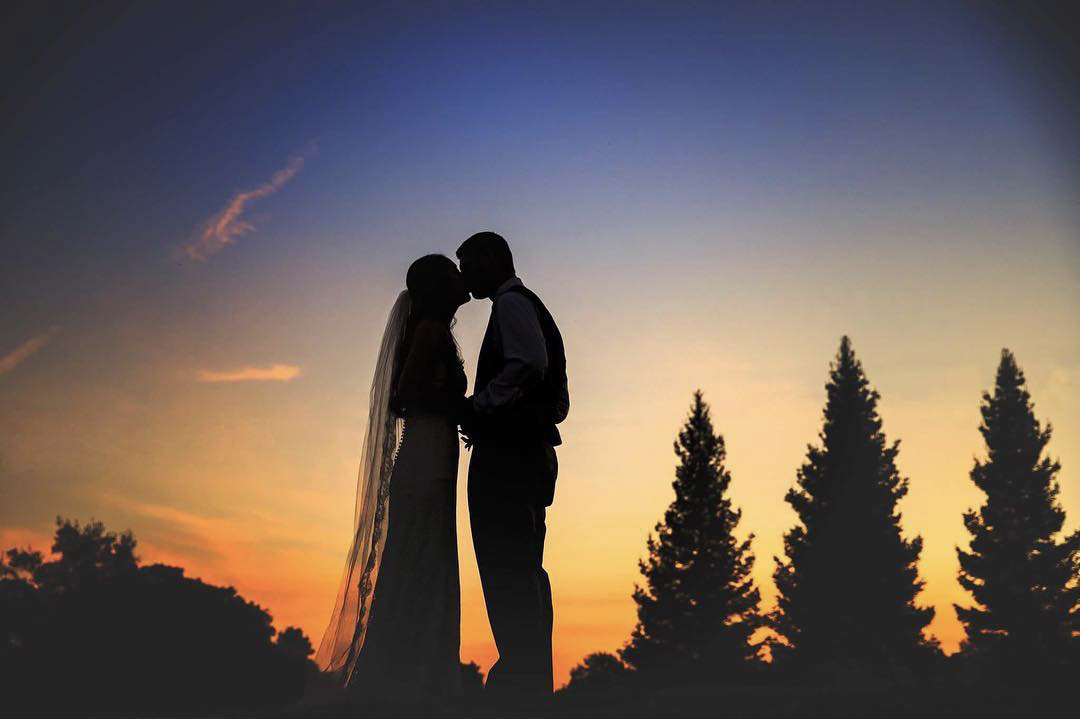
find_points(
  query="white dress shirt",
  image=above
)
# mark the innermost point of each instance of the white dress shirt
(523, 347)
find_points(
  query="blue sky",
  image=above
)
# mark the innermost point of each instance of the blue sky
(707, 194)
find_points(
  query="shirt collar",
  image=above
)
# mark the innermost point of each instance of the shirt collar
(505, 286)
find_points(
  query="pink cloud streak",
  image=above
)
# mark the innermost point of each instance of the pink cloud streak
(14, 358)
(222, 229)
(274, 373)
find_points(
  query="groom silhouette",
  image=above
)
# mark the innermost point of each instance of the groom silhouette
(520, 395)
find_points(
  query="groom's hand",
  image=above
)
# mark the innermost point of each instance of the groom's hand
(466, 417)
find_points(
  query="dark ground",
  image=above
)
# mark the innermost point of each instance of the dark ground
(762, 702)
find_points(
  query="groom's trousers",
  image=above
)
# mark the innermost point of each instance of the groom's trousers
(507, 499)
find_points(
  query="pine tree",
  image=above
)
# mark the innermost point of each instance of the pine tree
(699, 607)
(1026, 585)
(847, 589)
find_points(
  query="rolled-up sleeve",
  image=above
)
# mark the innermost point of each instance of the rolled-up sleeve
(524, 351)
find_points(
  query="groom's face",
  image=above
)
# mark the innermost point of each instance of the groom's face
(475, 272)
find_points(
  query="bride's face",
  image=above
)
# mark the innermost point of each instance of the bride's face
(436, 286)
(456, 286)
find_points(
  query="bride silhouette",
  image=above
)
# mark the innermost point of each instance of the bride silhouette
(395, 631)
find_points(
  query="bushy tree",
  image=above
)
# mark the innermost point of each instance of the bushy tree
(472, 679)
(847, 587)
(599, 672)
(698, 607)
(118, 636)
(294, 642)
(21, 616)
(1025, 583)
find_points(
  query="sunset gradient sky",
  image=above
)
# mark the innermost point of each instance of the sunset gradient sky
(209, 210)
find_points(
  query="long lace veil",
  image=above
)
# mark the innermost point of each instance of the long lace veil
(348, 625)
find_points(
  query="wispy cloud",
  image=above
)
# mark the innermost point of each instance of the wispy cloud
(269, 559)
(22, 538)
(273, 373)
(217, 542)
(1064, 377)
(228, 224)
(14, 358)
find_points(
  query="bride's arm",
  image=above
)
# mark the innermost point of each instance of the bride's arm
(423, 378)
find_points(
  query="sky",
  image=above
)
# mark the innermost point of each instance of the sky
(209, 210)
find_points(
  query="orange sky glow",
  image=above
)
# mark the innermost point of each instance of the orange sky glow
(215, 208)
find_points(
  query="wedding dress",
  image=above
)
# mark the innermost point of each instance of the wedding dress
(395, 632)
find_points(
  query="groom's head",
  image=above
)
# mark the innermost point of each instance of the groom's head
(486, 263)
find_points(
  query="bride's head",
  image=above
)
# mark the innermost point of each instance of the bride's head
(436, 288)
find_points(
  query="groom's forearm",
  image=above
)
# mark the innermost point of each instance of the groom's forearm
(507, 388)
(524, 352)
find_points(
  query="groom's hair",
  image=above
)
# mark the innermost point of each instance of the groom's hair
(489, 244)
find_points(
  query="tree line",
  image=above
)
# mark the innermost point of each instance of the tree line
(847, 610)
(92, 629)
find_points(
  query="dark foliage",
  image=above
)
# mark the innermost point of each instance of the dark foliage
(472, 679)
(855, 701)
(699, 607)
(600, 672)
(1026, 586)
(113, 635)
(846, 604)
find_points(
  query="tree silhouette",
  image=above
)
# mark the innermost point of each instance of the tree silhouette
(472, 679)
(20, 564)
(294, 642)
(599, 672)
(21, 619)
(847, 590)
(1026, 585)
(118, 636)
(698, 608)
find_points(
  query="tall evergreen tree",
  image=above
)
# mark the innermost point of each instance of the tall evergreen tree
(699, 607)
(1026, 585)
(847, 588)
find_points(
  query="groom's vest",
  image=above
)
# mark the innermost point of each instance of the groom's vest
(535, 415)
